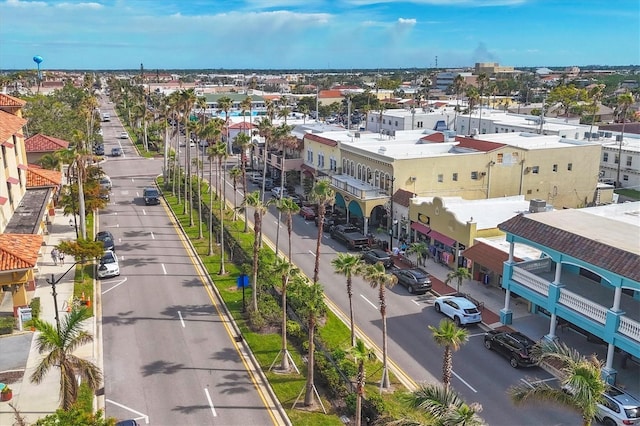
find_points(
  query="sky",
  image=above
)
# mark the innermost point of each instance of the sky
(316, 34)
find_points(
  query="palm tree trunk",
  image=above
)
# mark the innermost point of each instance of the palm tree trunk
(200, 236)
(309, 398)
(383, 313)
(447, 367)
(284, 364)
(244, 193)
(257, 227)
(350, 294)
(210, 253)
(359, 393)
(222, 208)
(316, 268)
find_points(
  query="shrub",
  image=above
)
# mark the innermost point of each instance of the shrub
(338, 354)
(7, 324)
(350, 402)
(35, 307)
(349, 368)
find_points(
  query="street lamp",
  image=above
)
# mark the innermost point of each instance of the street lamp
(392, 179)
(53, 283)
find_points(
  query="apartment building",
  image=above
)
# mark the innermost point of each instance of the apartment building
(620, 152)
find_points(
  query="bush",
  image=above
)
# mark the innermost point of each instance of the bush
(35, 307)
(349, 368)
(7, 324)
(350, 402)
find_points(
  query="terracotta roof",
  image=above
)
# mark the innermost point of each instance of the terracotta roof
(477, 144)
(488, 256)
(37, 177)
(243, 125)
(330, 94)
(6, 100)
(19, 251)
(10, 125)
(43, 143)
(402, 197)
(320, 139)
(593, 252)
(434, 137)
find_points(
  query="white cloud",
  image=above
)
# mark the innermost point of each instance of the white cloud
(79, 5)
(406, 22)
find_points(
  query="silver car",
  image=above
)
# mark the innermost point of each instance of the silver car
(109, 266)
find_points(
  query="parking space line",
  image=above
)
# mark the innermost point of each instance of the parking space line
(368, 301)
(164, 270)
(213, 409)
(464, 382)
(181, 319)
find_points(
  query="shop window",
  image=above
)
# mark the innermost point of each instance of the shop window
(454, 177)
(440, 178)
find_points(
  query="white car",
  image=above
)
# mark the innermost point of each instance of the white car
(279, 192)
(124, 135)
(109, 266)
(460, 309)
(618, 408)
(105, 182)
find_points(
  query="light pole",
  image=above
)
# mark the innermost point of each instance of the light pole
(53, 283)
(393, 179)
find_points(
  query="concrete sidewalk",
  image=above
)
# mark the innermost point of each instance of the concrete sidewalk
(34, 401)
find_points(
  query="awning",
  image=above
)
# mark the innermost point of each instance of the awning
(13, 180)
(23, 166)
(308, 169)
(7, 144)
(442, 238)
(423, 229)
(3, 200)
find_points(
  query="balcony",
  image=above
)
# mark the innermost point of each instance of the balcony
(591, 300)
(291, 161)
(360, 190)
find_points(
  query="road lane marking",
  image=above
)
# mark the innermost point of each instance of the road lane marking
(152, 236)
(213, 409)
(312, 253)
(369, 302)
(181, 319)
(476, 334)
(465, 383)
(144, 212)
(164, 270)
(117, 285)
(144, 416)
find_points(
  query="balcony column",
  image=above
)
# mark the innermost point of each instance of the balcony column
(617, 295)
(554, 294)
(608, 372)
(365, 220)
(512, 246)
(506, 315)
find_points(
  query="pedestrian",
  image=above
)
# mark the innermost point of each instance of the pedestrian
(61, 257)
(54, 255)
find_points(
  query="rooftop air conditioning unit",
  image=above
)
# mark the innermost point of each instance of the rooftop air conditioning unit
(618, 138)
(357, 135)
(537, 205)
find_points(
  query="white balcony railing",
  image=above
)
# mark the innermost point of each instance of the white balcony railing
(629, 328)
(530, 280)
(583, 305)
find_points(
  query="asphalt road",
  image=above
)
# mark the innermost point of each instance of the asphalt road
(169, 357)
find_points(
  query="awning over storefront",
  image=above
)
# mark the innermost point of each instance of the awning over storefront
(442, 238)
(13, 181)
(423, 229)
(307, 169)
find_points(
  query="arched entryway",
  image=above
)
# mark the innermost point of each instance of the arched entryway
(378, 218)
(355, 214)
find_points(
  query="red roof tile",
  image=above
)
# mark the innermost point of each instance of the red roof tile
(38, 177)
(330, 94)
(10, 125)
(320, 139)
(43, 143)
(6, 100)
(402, 197)
(19, 251)
(488, 256)
(243, 125)
(434, 137)
(477, 144)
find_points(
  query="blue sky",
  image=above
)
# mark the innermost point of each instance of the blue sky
(316, 34)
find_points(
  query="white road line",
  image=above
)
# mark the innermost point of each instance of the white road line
(181, 319)
(416, 302)
(137, 194)
(476, 334)
(369, 302)
(465, 383)
(163, 269)
(528, 383)
(152, 236)
(213, 409)
(144, 416)
(117, 285)
(144, 212)
(312, 253)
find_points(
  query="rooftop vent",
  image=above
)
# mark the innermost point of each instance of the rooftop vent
(537, 205)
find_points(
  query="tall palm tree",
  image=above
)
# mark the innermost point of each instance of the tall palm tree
(321, 193)
(265, 129)
(450, 337)
(459, 275)
(313, 307)
(472, 99)
(595, 94)
(361, 354)
(285, 270)
(483, 82)
(349, 265)
(254, 200)
(458, 88)
(224, 104)
(624, 101)
(582, 384)
(235, 174)
(288, 207)
(445, 406)
(377, 277)
(187, 101)
(420, 249)
(220, 152)
(211, 133)
(243, 141)
(198, 163)
(58, 347)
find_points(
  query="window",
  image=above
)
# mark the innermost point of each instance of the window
(474, 175)
(555, 168)
(625, 178)
(528, 192)
(570, 166)
(629, 161)
(396, 123)
(333, 164)
(617, 160)
(440, 178)
(535, 170)
(420, 125)
(454, 177)
(309, 156)
(321, 160)
(605, 157)
(500, 158)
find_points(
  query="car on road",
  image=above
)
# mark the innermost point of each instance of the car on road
(618, 408)
(106, 238)
(192, 143)
(308, 213)
(296, 199)
(460, 309)
(105, 183)
(255, 177)
(123, 135)
(279, 192)
(513, 345)
(106, 116)
(116, 151)
(415, 280)
(377, 255)
(109, 266)
(151, 196)
(98, 149)
(127, 423)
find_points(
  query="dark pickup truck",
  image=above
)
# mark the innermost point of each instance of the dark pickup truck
(350, 236)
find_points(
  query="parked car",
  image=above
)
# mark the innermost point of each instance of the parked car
(127, 423)
(124, 135)
(308, 213)
(268, 184)
(106, 116)
(618, 408)
(106, 238)
(256, 177)
(377, 255)
(116, 151)
(109, 266)
(415, 280)
(513, 345)
(151, 196)
(279, 192)
(460, 309)
(105, 182)
(296, 199)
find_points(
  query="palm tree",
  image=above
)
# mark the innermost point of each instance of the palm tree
(450, 337)
(224, 104)
(254, 200)
(285, 270)
(235, 174)
(198, 163)
(321, 193)
(265, 129)
(483, 81)
(458, 88)
(288, 207)
(472, 98)
(458, 275)
(377, 277)
(348, 264)
(212, 132)
(420, 249)
(595, 94)
(582, 384)
(445, 406)
(361, 354)
(243, 141)
(624, 102)
(187, 99)
(58, 347)
(220, 152)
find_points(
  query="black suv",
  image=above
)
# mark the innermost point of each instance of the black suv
(415, 280)
(514, 346)
(151, 196)
(374, 256)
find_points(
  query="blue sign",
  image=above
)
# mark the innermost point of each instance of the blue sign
(243, 281)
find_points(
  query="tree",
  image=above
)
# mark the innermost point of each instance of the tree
(458, 88)
(450, 337)
(348, 264)
(243, 141)
(321, 193)
(198, 163)
(458, 275)
(472, 98)
(361, 354)
(224, 104)
(624, 101)
(595, 94)
(219, 150)
(285, 270)
(235, 174)
(254, 200)
(58, 347)
(445, 406)
(288, 207)
(421, 250)
(377, 277)
(483, 81)
(582, 384)
(566, 96)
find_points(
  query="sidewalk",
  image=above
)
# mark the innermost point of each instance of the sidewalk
(31, 400)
